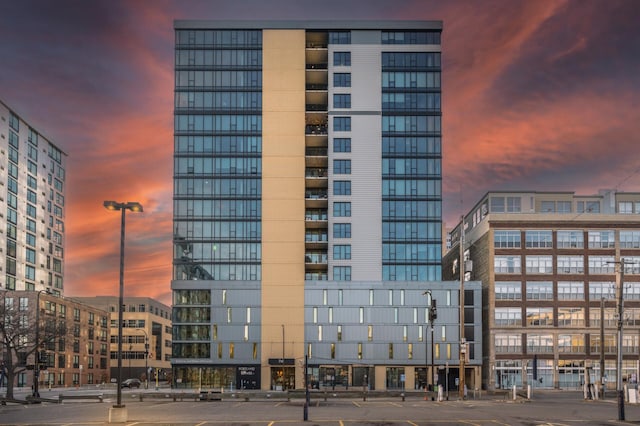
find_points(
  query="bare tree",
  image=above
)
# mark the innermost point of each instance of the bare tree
(24, 334)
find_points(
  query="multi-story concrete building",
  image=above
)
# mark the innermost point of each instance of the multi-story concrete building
(146, 336)
(72, 339)
(550, 265)
(32, 202)
(307, 201)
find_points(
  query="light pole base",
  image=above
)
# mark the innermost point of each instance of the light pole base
(118, 414)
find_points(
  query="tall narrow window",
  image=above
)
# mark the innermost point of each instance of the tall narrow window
(390, 350)
(339, 333)
(410, 351)
(333, 351)
(370, 333)
(359, 350)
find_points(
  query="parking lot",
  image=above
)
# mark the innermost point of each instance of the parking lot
(548, 408)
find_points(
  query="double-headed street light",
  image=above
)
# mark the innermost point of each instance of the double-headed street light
(134, 207)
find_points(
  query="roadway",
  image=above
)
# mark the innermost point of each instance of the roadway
(551, 408)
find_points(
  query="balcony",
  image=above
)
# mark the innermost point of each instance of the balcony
(316, 129)
(317, 86)
(316, 107)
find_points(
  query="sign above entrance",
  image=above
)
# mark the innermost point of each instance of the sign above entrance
(282, 361)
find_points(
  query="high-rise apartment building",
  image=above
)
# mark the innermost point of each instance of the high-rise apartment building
(550, 264)
(307, 169)
(32, 207)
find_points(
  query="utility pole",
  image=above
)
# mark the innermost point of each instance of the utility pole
(461, 373)
(619, 387)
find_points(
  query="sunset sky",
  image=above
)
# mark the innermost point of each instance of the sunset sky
(537, 95)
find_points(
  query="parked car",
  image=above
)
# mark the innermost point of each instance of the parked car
(131, 383)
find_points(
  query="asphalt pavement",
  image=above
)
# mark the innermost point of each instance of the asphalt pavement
(549, 408)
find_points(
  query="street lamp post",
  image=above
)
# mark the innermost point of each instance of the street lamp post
(432, 317)
(463, 348)
(36, 369)
(134, 207)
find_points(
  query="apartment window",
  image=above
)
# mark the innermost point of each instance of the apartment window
(342, 167)
(342, 273)
(390, 350)
(508, 343)
(571, 343)
(601, 239)
(508, 317)
(601, 264)
(342, 100)
(505, 205)
(340, 37)
(339, 336)
(507, 265)
(342, 252)
(570, 264)
(588, 207)
(563, 206)
(506, 239)
(539, 264)
(14, 122)
(342, 79)
(539, 239)
(342, 145)
(625, 207)
(508, 290)
(570, 290)
(571, 317)
(631, 291)
(342, 58)
(320, 333)
(599, 290)
(539, 317)
(361, 315)
(342, 124)
(632, 265)
(341, 230)
(629, 239)
(342, 209)
(548, 206)
(370, 333)
(570, 239)
(539, 290)
(342, 187)
(539, 343)
(359, 350)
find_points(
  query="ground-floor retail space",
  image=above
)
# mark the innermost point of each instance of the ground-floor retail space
(559, 374)
(287, 376)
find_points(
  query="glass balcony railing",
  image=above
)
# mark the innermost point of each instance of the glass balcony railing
(316, 172)
(315, 258)
(316, 237)
(318, 66)
(317, 86)
(316, 152)
(316, 194)
(316, 215)
(315, 276)
(316, 129)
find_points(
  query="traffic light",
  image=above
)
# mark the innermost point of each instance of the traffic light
(433, 312)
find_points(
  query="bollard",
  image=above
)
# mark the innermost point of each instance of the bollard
(528, 391)
(402, 395)
(514, 392)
